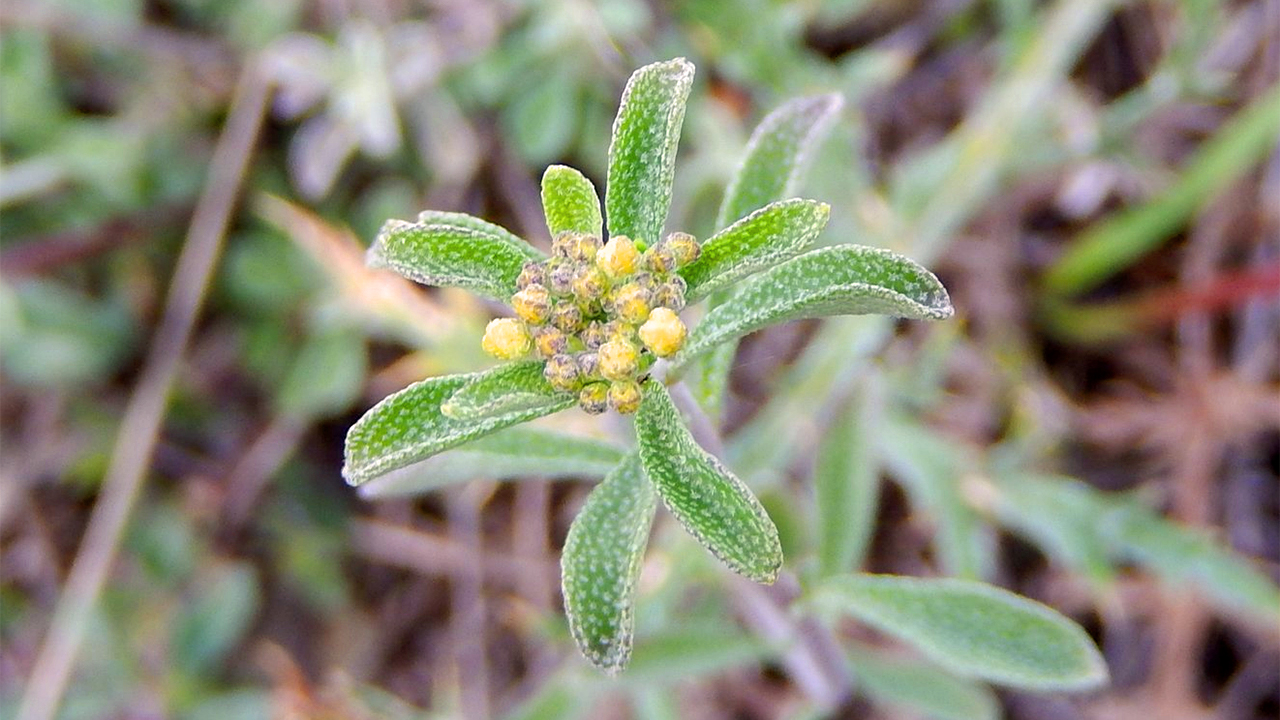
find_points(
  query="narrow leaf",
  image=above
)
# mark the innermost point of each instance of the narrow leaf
(920, 687)
(846, 482)
(570, 202)
(642, 154)
(973, 629)
(840, 280)
(453, 250)
(517, 452)
(510, 387)
(694, 650)
(408, 427)
(601, 564)
(774, 233)
(711, 502)
(778, 154)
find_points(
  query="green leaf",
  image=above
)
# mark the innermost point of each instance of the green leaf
(846, 483)
(774, 233)
(840, 280)
(517, 452)
(214, 623)
(570, 202)
(712, 504)
(778, 154)
(642, 154)
(510, 387)
(920, 687)
(699, 650)
(453, 250)
(327, 375)
(408, 427)
(601, 564)
(973, 629)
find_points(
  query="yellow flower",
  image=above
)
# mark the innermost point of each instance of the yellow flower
(619, 257)
(532, 304)
(663, 333)
(624, 396)
(594, 398)
(631, 303)
(618, 359)
(506, 339)
(562, 372)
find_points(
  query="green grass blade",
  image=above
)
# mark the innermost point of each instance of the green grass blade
(778, 154)
(570, 202)
(453, 250)
(510, 387)
(408, 427)
(840, 280)
(973, 629)
(601, 564)
(642, 154)
(777, 232)
(712, 503)
(511, 454)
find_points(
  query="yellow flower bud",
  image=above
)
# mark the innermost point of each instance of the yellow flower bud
(663, 333)
(532, 304)
(624, 396)
(659, 259)
(561, 372)
(588, 364)
(560, 274)
(595, 335)
(594, 398)
(631, 303)
(550, 341)
(618, 359)
(583, 247)
(590, 284)
(532, 273)
(684, 248)
(506, 339)
(619, 257)
(670, 294)
(567, 316)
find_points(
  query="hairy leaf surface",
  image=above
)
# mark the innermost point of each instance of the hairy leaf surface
(510, 387)
(570, 202)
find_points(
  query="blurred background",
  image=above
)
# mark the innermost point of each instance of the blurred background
(187, 330)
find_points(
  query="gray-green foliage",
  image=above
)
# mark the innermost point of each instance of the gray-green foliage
(427, 435)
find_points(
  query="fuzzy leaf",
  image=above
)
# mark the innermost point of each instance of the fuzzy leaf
(713, 505)
(601, 564)
(510, 387)
(453, 250)
(774, 233)
(517, 452)
(973, 629)
(778, 154)
(846, 483)
(840, 280)
(570, 202)
(920, 687)
(408, 427)
(642, 154)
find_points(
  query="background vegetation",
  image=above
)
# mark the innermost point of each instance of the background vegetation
(186, 192)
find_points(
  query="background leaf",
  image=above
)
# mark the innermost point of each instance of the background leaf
(920, 687)
(846, 483)
(712, 503)
(408, 427)
(510, 387)
(453, 250)
(601, 564)
(511, 454)
(642, 154)
(570, 202)
(841, 280)
(774, 233)
(973, 629)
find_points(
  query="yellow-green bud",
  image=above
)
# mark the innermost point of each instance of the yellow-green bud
(684, 248)
(506, 339)
(562, 372)
(583, 248)
(631, 303)
(532, 304)
(533, 273)
(618, 359)
(618, 257)
(663, 333)
(550, 341)
(660, 259)
(624, 396)
(594, 398)
(567, 316)
(590, 284)
(595, 335)
(560, 276)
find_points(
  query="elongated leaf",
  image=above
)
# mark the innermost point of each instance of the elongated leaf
(846, 483)
(920, 687)
(453, 250)
(408, 427)
(774, 233)
(601, 563)
(642, 154)
(777, 156)
(694, 650)
(570, 202)
(973, 629)
(517, 452)
(711, 502)
(841, 280)
(510, 387)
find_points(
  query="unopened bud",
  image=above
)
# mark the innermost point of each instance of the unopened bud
(594, 398)
(561, 371)
(618, 257)
(618, 359)
(663, 333)
(631, 303)
(583, 247)
(560, 277)
(532, 304)
(533, 273)
(595, 335)
(684, 248)
(506, 339)
(588, 364)
(659, 259)
(550, 341)
(567, 316)
(670, 295)
(590, 284)
(624, 396)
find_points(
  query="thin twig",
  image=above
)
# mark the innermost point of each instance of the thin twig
(139, 429)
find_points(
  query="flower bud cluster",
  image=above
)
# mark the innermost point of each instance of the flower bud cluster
(598, 314)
